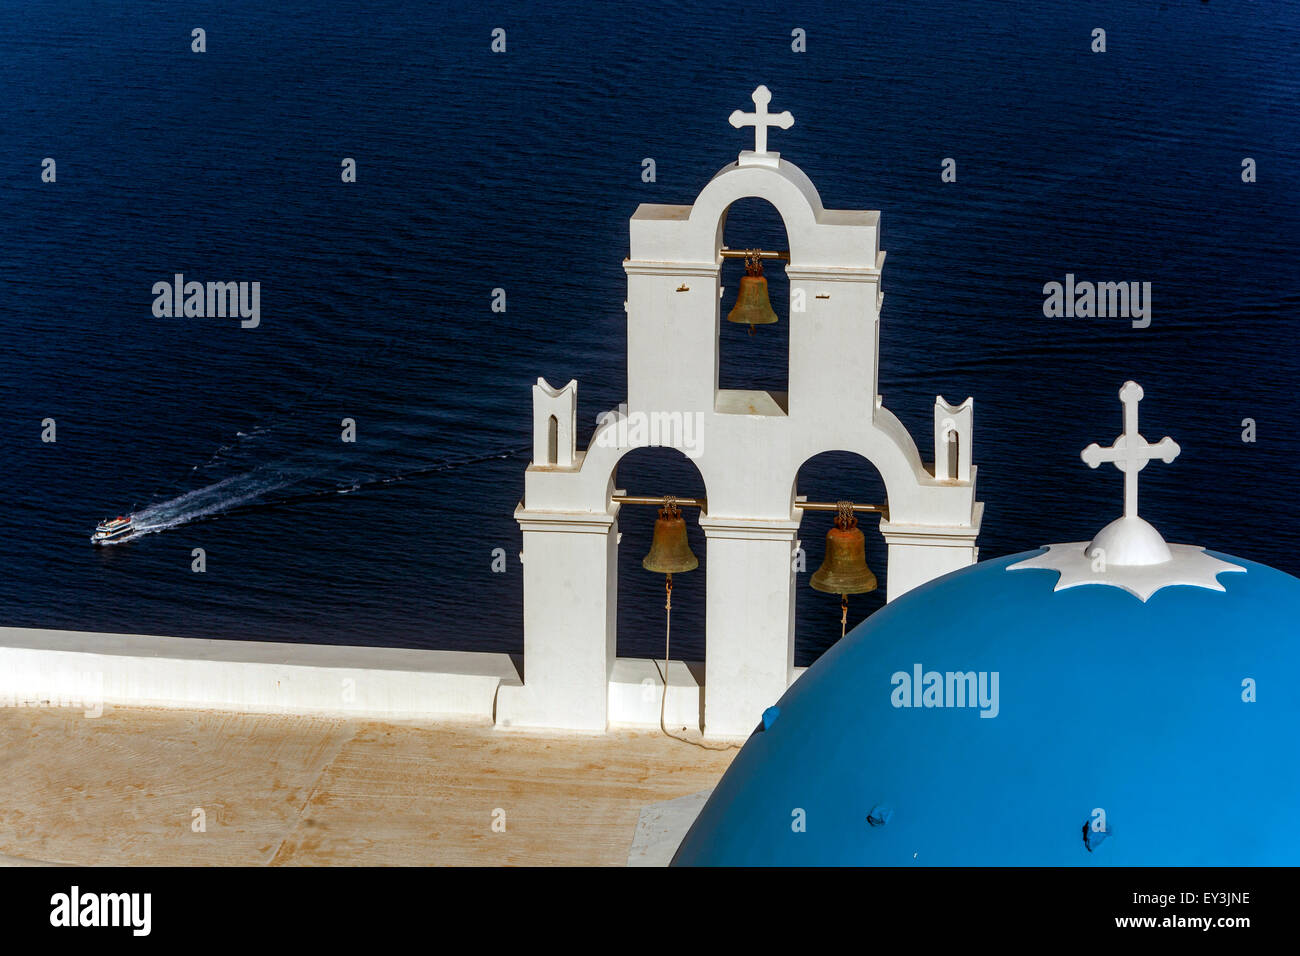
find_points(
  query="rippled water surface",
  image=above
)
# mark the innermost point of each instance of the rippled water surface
(519, 171)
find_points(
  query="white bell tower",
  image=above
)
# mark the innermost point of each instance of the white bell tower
(748, 446)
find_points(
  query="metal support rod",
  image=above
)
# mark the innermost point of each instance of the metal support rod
(704, 503)
(751, 253)
(833, 506)
(642, 500)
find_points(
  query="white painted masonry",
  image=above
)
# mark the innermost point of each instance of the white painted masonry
(753, 445)
(84, 670)
(251, 676)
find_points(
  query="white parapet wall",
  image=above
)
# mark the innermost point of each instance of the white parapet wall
(636, 689)
(636, 693)
(86, 669)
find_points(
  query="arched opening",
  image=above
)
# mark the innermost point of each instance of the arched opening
(834, 476)
(553, 440)
(654, 472)
(754, 361)
(953, 459)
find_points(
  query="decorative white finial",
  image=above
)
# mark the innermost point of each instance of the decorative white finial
(761, 119)
(1130, 540)
(1131, 452)
(1129, 553)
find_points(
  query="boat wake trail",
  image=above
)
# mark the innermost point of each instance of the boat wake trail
(220, 498)
(276, 486)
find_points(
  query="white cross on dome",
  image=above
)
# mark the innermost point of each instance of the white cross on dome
(1131, 451)
(1129, 553)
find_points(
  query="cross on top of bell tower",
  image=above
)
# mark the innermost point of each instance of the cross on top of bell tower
(761, 119)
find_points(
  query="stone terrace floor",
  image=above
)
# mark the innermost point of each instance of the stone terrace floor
(123, 789)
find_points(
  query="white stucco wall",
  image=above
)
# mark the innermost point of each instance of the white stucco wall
(45, 665)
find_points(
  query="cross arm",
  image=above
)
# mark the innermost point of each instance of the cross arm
(1094, 455)
(1166, 449)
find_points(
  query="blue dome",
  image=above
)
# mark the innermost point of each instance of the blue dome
(1117, 732)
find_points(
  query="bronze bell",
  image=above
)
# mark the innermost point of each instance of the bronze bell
(752, 304)
(670, 553)
(844, 569)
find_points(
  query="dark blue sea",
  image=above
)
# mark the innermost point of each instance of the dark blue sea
(519, 170)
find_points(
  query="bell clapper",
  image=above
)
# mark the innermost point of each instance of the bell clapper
(668, 634)
(844, 614)
(753, 267)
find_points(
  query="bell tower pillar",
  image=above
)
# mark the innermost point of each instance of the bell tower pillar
(750, 620)
(570, 569)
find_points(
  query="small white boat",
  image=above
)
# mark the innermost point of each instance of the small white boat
(113, 529)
